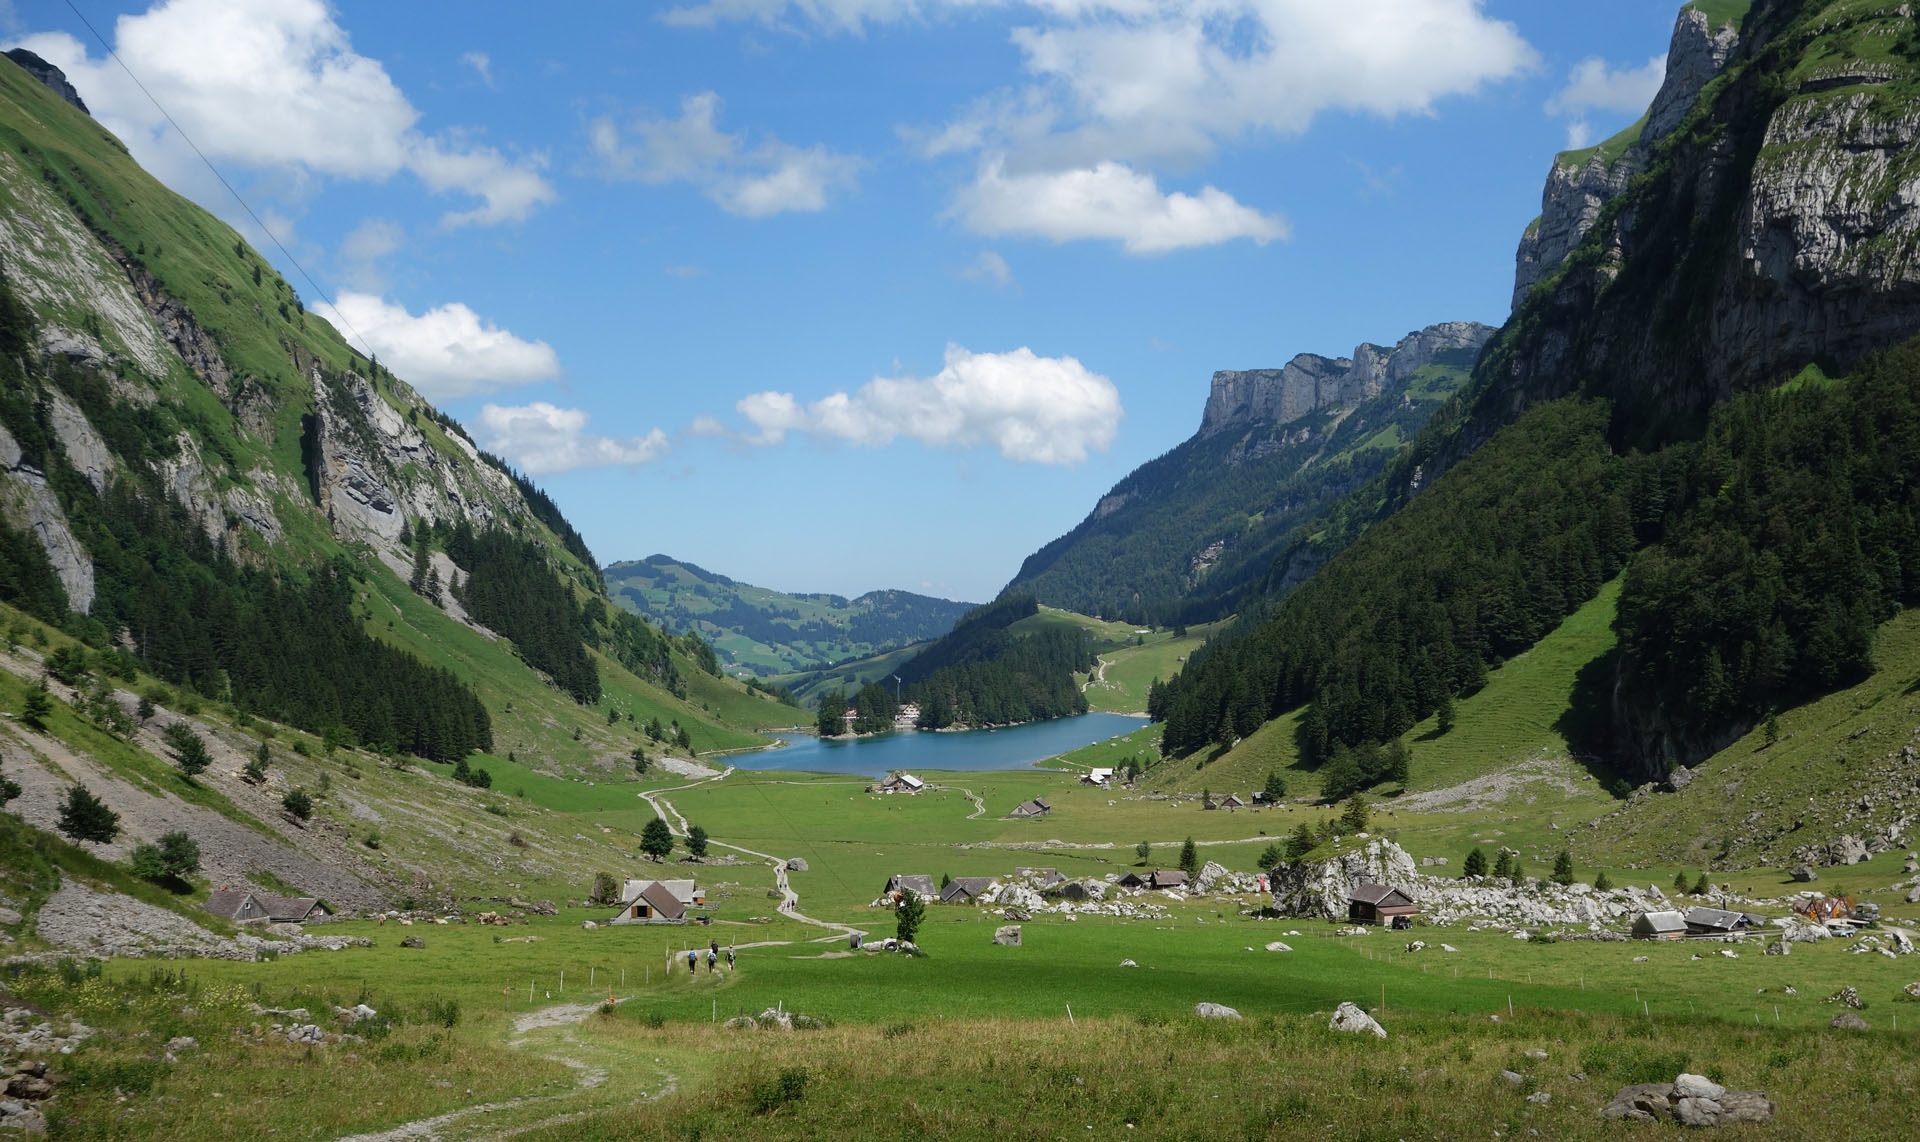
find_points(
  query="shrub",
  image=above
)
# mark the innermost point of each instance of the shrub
(788, 1086)
(85, 817)
(298, 803)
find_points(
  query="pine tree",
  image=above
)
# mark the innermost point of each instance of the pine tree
(1276, 786)
(1144, 851)
(85, 817)
(1354, 819)
(1563, 868)
(189, 751)
(697, 841)
(1271, 857)
(1300, 842)
(38, 707)
(298, 803)
(1444, 714)
(1475, 864)
(1503, 863)
(1680, 881)
(1702, 887)
(1603, 883)
(1190, 859)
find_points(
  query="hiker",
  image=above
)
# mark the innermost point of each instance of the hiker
(729, 957)
(713, 958)
(692, 958)
(713, 945)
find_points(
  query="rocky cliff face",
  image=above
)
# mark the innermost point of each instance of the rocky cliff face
(1784, 230)
(1310, 381)
(376, 454)
(53, 77)
(1581, 183)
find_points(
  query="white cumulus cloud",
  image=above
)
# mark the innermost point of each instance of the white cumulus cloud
(543, 439)
(1112, 201)
(275, 85)
(1594, 85)
(446, 352)
(1033, 409)
(990, 268)
(753, 179)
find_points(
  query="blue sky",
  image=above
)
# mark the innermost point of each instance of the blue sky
(834, 295)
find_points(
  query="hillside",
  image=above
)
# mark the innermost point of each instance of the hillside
(1763, 526)
(207, 498)
(1186, 536)
(770, 632)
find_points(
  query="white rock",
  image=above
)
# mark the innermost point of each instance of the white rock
(1277, 946)
(1697, 1086)
(1214, 1011)
(1348, 1017)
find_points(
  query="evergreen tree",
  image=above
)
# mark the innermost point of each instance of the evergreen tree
(298, 803)
(1300, 842)
(640, 762)
(1563, 868)
(1702, 887)
(1680, 881)
(1503, 863)
(145, 708)
(9, 789)
(1603, 883)
(256, 770)
(684, 740)
(38, 706)
(189, 750)
(697, 841)
(85, 817)
(832, 721)
(1271, 857)
(1144, 851)
(1276, 786)
(1475, 864)
(1354, 819)
(1190, 859)
(656, 840)
(907, 915)
(1443, 714)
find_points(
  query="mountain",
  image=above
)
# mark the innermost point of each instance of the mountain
(216, 516)
(771, 632)
(1706, 388)
(1186, 536)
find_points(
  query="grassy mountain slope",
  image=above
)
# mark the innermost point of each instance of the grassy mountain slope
(770, 632)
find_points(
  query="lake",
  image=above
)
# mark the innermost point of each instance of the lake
(1011, 747)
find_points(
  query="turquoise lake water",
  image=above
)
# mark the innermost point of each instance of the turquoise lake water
(1014, 747)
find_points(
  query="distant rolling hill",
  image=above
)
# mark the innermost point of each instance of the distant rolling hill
(770, 632)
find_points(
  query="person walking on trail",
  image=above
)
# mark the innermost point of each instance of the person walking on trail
(692, 959)
(729, 957)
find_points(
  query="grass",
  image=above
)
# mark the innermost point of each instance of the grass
(1131, 668)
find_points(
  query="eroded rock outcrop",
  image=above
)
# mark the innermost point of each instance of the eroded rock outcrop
(1310, 381)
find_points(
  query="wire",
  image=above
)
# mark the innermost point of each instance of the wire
(264, 228)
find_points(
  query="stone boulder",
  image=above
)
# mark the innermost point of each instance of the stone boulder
(797, 864)
(1017, 915)
(1804, 874)
(1007, 935)
(1848, 1021)
(1348, 1017)
(1277, 946)
(412, 942)
(1215, 1011)
(1689, 1100)
(1847, 849)
(1321, 888)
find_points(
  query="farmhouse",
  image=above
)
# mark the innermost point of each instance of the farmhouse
(1380, 904)
(241, 906)
(921, 886)
(652, 903)
(1037, 807)
(965, 889)
(902, 783)
(1667, 925)
(1097, 777)
(1718, 921)
(1167, 878)
(1233, 801)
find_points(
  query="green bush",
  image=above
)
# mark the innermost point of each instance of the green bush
(788, 1086)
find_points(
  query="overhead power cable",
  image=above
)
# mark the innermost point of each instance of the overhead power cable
(264, 228)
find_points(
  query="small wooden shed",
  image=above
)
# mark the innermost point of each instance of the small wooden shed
(1380, 904)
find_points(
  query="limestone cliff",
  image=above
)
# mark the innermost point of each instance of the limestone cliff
(1781, 228)
(204, 362)
(1310, 382)
(1581, 183)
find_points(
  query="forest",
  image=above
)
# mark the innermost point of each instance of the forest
(1758, 561)
(982, 674)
